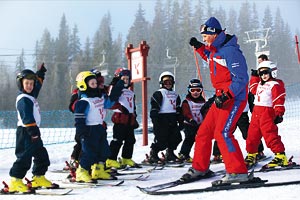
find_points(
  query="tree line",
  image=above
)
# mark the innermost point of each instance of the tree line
(168, 35)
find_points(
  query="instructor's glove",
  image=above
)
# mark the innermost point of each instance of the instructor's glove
(278, 119)
(219, 100)
(195, 43)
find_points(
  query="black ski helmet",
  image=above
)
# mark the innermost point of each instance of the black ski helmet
(27, 74)
(195, 83)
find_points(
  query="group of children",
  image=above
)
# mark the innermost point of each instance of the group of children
(93, 154)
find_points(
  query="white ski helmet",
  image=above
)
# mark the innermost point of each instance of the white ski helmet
(166, 73)
(269, 64)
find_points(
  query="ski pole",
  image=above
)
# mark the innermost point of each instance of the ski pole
(297, 47)
(198, 70)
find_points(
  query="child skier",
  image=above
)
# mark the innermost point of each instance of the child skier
(124, 119)
(28, 137)
(90, 112)
(268, 111)
(74, 161)
(166, 117)
(191, 110)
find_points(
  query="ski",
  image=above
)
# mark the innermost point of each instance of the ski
(37, 191)
(77, 185)
(52, 192)
(133, 171)
(168, 164)
(134, 177)
(289, 167)
(162, 162)
(60, 191)
(175, 183)
(224, 187)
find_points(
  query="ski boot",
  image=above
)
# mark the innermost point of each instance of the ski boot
(235, 178)
(250, 160)
(82, 175)
(194, 174)
(129, 162)
(184, 158)
(171, 157)
(98, 172)
(279, 160)
(113, 164)
(17, 185)
(41, 182)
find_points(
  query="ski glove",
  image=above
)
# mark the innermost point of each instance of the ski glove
(41, 71)
(254, 72)
(195, 43)
(278, 119)
(219, 100)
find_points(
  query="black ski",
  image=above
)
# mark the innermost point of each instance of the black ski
(224, 187)
(175, 183)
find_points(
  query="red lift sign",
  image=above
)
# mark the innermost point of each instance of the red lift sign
(137, 65)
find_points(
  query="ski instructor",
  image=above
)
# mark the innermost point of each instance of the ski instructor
(228, 73)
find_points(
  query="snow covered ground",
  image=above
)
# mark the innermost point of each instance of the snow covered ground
(59, 153)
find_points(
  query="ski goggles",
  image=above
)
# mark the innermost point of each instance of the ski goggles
(209, 30)
(262, 72)
(195, 90)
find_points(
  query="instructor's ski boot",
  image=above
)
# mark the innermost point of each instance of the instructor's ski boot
(194, 174)
(235, 178)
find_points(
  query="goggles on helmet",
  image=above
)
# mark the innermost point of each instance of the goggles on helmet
(204, 28)
(195, 90)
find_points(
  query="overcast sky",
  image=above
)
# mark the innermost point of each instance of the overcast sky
(23, 22)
